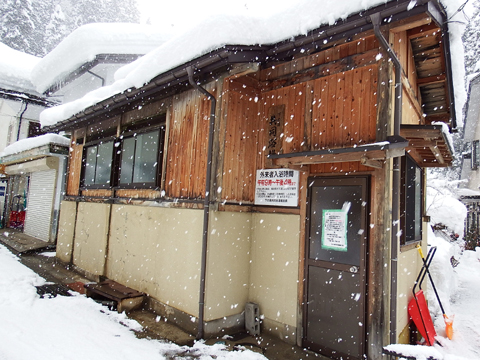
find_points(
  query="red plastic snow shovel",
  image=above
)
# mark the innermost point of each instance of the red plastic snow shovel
(418, 308)
(448, 322)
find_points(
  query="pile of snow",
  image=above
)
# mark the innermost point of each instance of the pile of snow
(88, 41)
(35, 142)
(15, 70)
(236, 29)
(443, 207)
(458, 288)
(76, 327)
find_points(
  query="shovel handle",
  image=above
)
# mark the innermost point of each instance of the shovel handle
(419, 248)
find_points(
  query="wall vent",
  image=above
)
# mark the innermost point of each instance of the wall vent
(252, 318)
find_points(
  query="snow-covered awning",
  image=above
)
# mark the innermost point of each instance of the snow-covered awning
(34, 148)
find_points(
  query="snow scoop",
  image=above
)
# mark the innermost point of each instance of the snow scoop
(418, 308)
(448, 321)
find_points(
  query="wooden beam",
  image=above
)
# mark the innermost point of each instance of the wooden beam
(431, 80)
(443, 117)
(328, 69)
(422, 31)
(410, 23)
(330, 158)
(377, 164)
(419, 133)
(422, 143)
(438, 155)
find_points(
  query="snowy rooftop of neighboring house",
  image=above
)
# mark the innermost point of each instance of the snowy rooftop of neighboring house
(15, 68)
(236, 29)
(88, 41)
(34, 142)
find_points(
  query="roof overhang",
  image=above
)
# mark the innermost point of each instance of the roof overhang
(99, 59)
(220, 59)
(25, 97)
(43, 151)
(372, 155)
(428, 145)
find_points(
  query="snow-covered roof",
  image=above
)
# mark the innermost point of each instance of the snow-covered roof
(34, 142)
(216, 32)
(15, 69)
(87, 42)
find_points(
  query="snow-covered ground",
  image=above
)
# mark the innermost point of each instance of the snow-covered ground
(75, 327)
(458, 288)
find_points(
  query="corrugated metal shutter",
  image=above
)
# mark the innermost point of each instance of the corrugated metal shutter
(38, 216)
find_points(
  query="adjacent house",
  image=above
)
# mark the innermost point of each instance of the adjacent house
(282, 166)
(35, 169)
(20, 108)
(469, 190)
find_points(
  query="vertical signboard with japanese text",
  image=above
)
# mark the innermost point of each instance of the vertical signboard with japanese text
(276, 187)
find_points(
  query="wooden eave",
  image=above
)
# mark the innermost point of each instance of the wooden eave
(428, 145)
(372, 155)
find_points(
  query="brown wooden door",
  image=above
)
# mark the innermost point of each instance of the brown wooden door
(334, 310)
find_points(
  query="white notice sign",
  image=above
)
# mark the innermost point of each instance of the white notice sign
(277, 187)
(334, 234)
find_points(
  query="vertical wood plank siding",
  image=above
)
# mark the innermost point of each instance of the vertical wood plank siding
(74, 168)
(187, 145)
(243, 134)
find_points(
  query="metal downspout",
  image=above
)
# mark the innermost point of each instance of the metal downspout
(376, 19)
(206, 204)
(97, 76)
(20, 120)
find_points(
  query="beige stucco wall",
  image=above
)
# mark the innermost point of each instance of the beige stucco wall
(409, 265)
(91, 233)
(66, 231)
(251, 256)
(228, 260)
(157, 251)
(274, 266)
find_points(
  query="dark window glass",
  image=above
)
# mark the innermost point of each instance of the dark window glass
(475, 157)
(98, 164)
(412, 201)
(140, 154)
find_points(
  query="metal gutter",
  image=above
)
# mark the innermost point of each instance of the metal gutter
(392, 143)
(395, 230)
(20, 96)
(206, 204)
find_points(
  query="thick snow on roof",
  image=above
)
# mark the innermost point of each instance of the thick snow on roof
(88, 41)
(236, 29)
(34, 142)
(15, 69)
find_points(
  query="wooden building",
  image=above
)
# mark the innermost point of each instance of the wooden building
(162, 181)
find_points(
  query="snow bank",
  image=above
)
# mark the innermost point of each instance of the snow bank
(444, 208)
(34, 142)
(76, 327)
(88, 41)
(15, 69)
(236, 29)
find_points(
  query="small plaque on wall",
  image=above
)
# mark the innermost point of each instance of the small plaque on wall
(276, 187)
